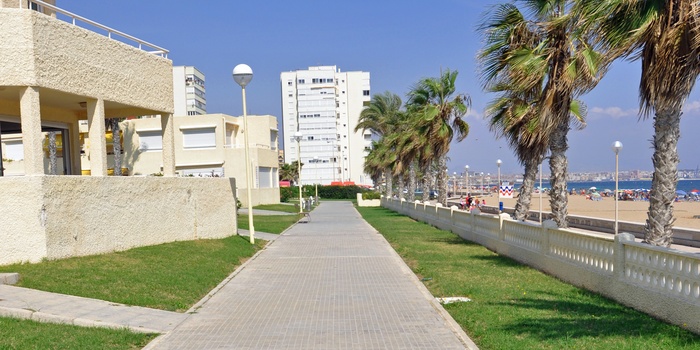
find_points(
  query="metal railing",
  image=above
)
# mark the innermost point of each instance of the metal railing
(141, 44)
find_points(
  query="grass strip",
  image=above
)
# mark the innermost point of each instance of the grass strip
(171, 276)
(514, 306)
(26, 334)
(268, 223)
(286, 208)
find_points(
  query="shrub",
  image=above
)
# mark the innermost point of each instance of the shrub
(371, 195)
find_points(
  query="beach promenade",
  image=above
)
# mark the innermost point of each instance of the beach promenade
(332, 283)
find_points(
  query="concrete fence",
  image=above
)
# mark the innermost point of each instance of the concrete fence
(661, 282)
(53, 217)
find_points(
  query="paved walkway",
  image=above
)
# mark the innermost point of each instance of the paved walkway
(332, 283)
(58, 308)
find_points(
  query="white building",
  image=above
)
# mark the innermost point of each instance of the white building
(188, 91)
(324, 104)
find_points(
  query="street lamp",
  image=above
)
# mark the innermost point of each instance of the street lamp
(454, 182)
(498, 162)
(297, 137)
(242, 75)
(317, 180)
(616, 147)
(482, 183)
(466, 169)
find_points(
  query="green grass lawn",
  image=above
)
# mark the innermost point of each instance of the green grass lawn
(287, 208)
(268, 223)
(514, 306)
(172, 276)
(24, 334)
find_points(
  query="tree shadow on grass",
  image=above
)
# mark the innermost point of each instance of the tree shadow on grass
(597, 318)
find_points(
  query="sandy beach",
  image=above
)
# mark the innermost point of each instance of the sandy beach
(633, 211)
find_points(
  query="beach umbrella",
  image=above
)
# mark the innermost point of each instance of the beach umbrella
(593, 188)
(595, 195)
(681, 193)
(694, 191)
(607, 190)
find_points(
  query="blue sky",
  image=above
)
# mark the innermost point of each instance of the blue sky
(398, 42)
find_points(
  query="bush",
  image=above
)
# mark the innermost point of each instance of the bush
(327, 192)
(371, 195)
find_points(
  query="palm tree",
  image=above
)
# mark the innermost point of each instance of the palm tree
(381, 117)
(441, 113)
(547, 55)
(665, 35)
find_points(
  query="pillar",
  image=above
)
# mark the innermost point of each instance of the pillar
(168, 128)
(96, 133)
(30, 116)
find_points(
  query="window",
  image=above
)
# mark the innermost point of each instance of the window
(300, 81)
(289, 83)
(151, 140)
(199, 138)
(365, 92)
(13, 150)
(265, 177)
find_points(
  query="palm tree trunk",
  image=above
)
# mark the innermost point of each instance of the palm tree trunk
(659, 228)
(53, 158)
(442, 180)
(401, 186)
(558, 196)
(411, 182)
(116, 146)
(426, 183)
(389, 182)
(522, 207)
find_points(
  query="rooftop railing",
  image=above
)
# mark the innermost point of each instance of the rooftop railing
(110, 33)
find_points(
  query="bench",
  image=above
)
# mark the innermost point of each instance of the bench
(306, 214)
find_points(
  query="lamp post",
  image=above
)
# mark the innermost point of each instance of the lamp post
(616, 147)
(466, 170)
(482, 184)
(317, 180)
(454, 182)
(498, 162)
(242, 75)
(297, 137)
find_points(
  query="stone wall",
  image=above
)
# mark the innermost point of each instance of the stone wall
(64, 216)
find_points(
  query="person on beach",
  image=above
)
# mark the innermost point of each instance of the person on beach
(462, 202)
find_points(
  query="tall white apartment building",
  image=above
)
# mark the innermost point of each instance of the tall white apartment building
(189, 91)
(324, 104)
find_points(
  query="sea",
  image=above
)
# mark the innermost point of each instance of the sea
(683, 185)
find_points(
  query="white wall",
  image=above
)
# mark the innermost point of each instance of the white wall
(62, 216)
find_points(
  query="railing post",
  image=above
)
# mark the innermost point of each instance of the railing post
(546, 226)
(619, 267)
(452, 217)
(501, 230)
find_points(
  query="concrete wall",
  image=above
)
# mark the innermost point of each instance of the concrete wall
(42, 51)
(368, 202)
(664, 283)
(62, 216)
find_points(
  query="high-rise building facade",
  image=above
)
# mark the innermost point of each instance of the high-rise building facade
(324, 104)
(188, 91)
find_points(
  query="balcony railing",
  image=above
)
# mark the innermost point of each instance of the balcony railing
(110, 33)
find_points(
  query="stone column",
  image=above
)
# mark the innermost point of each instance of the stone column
(30, 116)
(168, 128)
(74, 139)
(96, 133)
